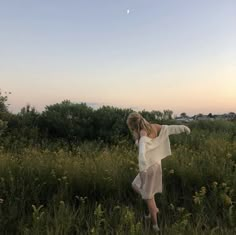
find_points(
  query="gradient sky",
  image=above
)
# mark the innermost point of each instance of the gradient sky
(172, 54)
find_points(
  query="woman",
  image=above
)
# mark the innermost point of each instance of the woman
(154, 145)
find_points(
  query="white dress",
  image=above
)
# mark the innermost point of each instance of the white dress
(148, 182)
(152, 182)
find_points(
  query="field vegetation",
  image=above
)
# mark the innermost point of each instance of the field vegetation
(68, 170)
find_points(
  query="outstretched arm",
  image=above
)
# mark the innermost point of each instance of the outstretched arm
(177, 129)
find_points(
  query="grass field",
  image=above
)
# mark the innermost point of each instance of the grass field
(88, 191)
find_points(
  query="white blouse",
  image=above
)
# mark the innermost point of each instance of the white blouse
(152, 150)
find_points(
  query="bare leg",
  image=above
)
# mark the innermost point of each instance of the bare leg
(155, 204)
(152, 210)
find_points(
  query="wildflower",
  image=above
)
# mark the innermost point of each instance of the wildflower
(53, 173)
(172, 207)
(226, 199)
(64, 177)
(180, 209)
(214, 184)
(223, 185)
(203, 191)
(1, 200)
(196, 200)
(228, 155)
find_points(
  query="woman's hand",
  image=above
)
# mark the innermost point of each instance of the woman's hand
(187, 130)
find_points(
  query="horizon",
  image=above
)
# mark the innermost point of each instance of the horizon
(96, 106)
(147, 55)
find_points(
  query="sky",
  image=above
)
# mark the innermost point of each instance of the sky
(140, 54)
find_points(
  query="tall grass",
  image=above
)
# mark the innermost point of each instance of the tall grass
(88, 191)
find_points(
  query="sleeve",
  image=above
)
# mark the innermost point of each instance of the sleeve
(141, 156)
(177, 129)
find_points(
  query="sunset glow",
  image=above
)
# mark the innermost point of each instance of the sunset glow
(178, 55)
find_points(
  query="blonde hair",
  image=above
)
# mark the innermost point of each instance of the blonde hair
(136, 122)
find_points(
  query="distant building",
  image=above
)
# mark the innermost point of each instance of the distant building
(226, 116)
(203, 117)
(184, 119)
(210, 116)
(219, 117)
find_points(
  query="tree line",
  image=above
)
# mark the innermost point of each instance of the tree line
(73, 122)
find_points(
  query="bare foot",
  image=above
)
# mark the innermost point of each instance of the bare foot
(156, 227)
